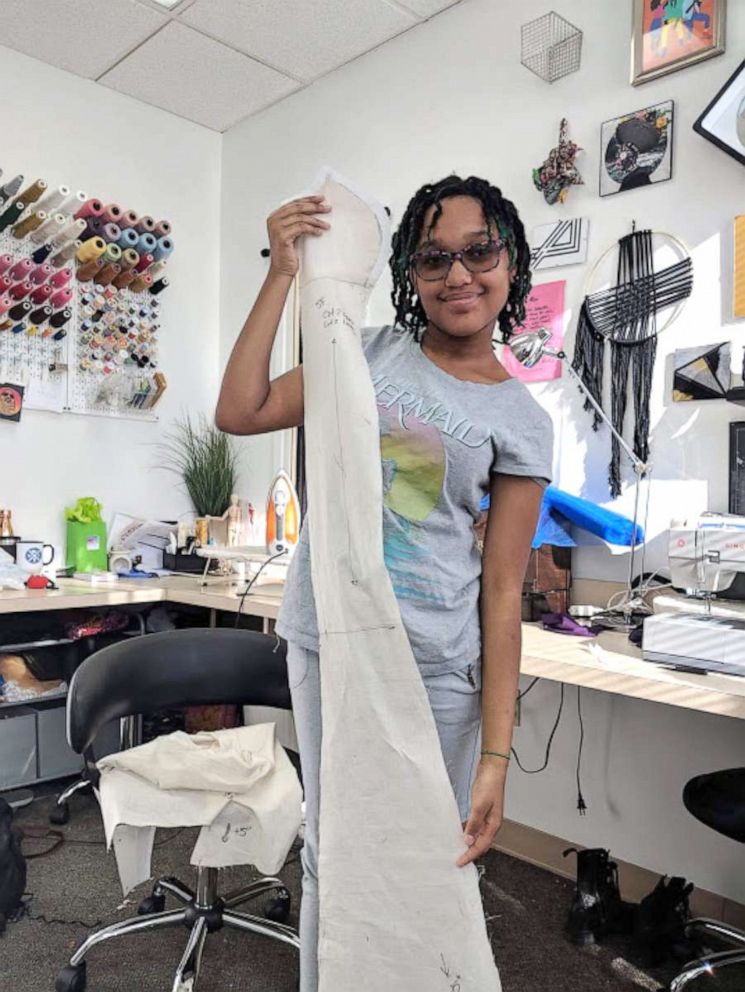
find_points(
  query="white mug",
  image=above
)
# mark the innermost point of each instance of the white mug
(30, 556)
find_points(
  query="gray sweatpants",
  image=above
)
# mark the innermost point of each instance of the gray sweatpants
(455, 699)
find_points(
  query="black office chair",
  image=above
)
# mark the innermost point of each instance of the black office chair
(163, 671)
(718, 800)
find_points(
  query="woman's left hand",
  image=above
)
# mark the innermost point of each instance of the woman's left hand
(487, 802)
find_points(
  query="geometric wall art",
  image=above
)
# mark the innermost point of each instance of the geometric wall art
(702, 373)
(562, 242)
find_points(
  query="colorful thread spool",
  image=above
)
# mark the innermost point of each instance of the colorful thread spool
(124, 280)
(91, 249)
(111, 232)
(163, 249)
(86, 272)
(42, 293)
(11, 215)
(113, 253)
(66, 254)
(162, 229)
(145, 262)
(5, 283)
(10, 188)
(32, 193)
(21, 269)
(107, 274)
(29, 224)
(54, 198)
(5, 263)
(129, 218)
(60, 318)
(112, 213)
(41, 315)
(157, 267)
(60, 278)
(49, 229)
(159, 286)
(91, 208)
(5, 304)
(20, 290)
(70, 232)
(61, 298)
(145, 224)
(141, 283)
(19, 310)
(42, 253)
(40, 273)
(130, 259)
(147, 243)
(128, 238)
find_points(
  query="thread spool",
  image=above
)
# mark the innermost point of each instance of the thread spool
(113, 253)
(107, 274)
(94, 228)
(91, 208)
(145, 224)
(157, 268)
(10, 188)
(42, 293)
(147, 243)
(125, 279)
(32, 193)
(66, 254)
(5, 283)
(162, 229)
(49, 229)
(128, 238)
(42, 253)
(86, 272)
(61, 298)
(130, 259)
(111, 232)
(20, 290)
(141, 283)
(5, 263)
(40, 315)
(159, 286)
(111, 213)
(59, 335)
(31, 223)
(163, 248)
(91, 249)
(40, 273)
(60, 278)
(11, 214)
(19, 310)
(129, 218)
(71, 231)
(21, 269)
(5, 304)
(54, 198)
(60, 318)
(145, 261)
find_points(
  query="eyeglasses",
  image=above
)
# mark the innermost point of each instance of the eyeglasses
(434, 263)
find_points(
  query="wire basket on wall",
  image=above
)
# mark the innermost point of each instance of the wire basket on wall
(551, 47)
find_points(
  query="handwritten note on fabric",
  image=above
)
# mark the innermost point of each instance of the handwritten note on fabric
(544, 308)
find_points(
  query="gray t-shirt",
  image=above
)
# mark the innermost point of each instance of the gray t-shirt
(441, 439)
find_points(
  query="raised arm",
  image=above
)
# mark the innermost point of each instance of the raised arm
(249, 402)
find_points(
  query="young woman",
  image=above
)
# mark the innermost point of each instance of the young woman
(454, 428)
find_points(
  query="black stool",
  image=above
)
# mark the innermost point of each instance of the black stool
(718, 800)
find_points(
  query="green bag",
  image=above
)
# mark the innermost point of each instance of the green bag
(86, 546)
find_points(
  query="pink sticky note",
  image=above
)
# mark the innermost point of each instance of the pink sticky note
(543, 308)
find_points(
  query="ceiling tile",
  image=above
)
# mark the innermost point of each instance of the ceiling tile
(427, 8)
(195, 77)
(82, 36)
(304, 39)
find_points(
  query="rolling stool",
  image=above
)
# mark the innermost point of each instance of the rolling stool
(718, 800)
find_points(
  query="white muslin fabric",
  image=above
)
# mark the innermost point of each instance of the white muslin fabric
(396, 913)
(237, 784)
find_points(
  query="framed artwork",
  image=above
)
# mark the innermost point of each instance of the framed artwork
(562, 242)
(668, 35)
(702, 373)
(637, 149)
(723, 121)
(544, 307)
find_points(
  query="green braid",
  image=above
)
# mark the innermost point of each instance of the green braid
(498, 211)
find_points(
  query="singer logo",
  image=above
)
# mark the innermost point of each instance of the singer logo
(736, 547)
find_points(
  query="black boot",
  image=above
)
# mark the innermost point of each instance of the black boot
(660, 923)
(597, 908)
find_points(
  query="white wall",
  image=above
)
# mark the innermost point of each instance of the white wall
(68, 130)
(451, 95)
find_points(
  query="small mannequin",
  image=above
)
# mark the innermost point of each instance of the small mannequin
(233, 515)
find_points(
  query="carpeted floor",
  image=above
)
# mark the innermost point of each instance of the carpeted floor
(525, 906)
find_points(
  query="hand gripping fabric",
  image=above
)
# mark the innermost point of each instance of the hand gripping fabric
(396, 913)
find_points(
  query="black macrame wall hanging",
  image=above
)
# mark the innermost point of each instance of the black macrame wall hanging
(626, 316)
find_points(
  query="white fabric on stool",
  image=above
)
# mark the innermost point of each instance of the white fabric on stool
(238, 785)
(396, 913)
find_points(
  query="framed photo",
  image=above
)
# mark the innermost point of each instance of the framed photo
(668, 35)
(637, 149)
(723, 121)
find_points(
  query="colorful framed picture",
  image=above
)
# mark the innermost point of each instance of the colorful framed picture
(668, 35)
(637, 149)
(723, 121)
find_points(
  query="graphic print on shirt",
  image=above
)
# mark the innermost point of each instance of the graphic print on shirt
(414, 461)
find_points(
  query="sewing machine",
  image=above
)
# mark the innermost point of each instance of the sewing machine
(706, 555)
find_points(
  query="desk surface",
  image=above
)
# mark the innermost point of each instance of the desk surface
(609, 663)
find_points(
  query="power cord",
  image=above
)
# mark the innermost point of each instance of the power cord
(253, 580)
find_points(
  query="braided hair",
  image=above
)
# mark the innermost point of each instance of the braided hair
(499, 213)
